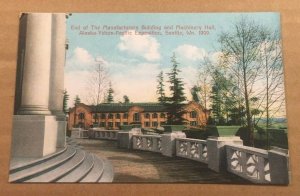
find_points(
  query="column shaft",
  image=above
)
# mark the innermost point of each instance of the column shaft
(35, 89)
(57, 64)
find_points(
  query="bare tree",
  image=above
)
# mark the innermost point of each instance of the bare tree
(240, 49)
(272, 94)
(204, 84)
(97, 83)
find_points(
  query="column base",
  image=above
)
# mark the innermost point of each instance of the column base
(34, 135)
(34, 110)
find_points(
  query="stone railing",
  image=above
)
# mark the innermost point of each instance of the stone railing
(104, 134)
(95, 133)
(257, 165)
(79, 133)
(147, 142)
(192, 149)
(250, 163)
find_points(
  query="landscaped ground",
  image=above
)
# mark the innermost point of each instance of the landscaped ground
(142, 166)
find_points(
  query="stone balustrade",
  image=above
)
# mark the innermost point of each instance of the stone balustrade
(147, 142)
(94, 133)
(258, 165)
(250, 163)
(192, 149)
(105, 134)
(219, 153)
(79, 133)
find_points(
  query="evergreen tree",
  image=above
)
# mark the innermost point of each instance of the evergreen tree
(224, 98)
(77, 100)
(65, 101)
(110, 97)
(194, 92)
(126, 99)
(160, 88)
(175, 102)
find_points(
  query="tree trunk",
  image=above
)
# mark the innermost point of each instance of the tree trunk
(248, 112)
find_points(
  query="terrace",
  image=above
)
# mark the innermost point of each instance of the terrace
(171, 157)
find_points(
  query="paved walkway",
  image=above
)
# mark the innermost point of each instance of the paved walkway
(143, 166)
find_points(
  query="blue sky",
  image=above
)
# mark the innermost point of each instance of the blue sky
(134, 61)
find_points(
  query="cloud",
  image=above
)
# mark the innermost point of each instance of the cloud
(80, 59)
(75, 84)
(190, 52)
(83, 56)
(137, 82)
(144, 46)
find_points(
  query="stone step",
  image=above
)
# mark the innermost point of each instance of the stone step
(43, 167)
(22, 166)
(81, 171)
(95, 174)
(108, 172)
(62, 170)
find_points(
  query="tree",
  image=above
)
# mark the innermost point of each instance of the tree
(204, 84)
(160, 88)
(110, 91)
(175, 101)
(194, 91)
(97, 83)
(65, 101)
(224, 99)
(272, 98)
(240, 49)
(77, 100)
(126, 99)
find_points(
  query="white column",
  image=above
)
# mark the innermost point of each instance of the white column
(57, 75)
(34, 129)
(57, 64)
(35, 90)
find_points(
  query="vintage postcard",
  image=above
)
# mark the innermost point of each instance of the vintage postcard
(150, 97)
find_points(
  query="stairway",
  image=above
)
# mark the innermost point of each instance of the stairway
(68, 165)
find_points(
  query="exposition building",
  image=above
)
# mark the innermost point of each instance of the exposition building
(149, 115)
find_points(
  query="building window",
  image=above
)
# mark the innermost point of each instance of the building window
(102, 124)
(110, 124)
(125, 123)
(136, 117)
(193, 123)
(162, 115)
(110, 116)
(103, 116)
(147, 115)
(95, 117)
(81, 116)
(154, 115)
(154, 124)
(117, 124)
(193, 114)
(147, 124)
(118, 116)
(125, 115)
